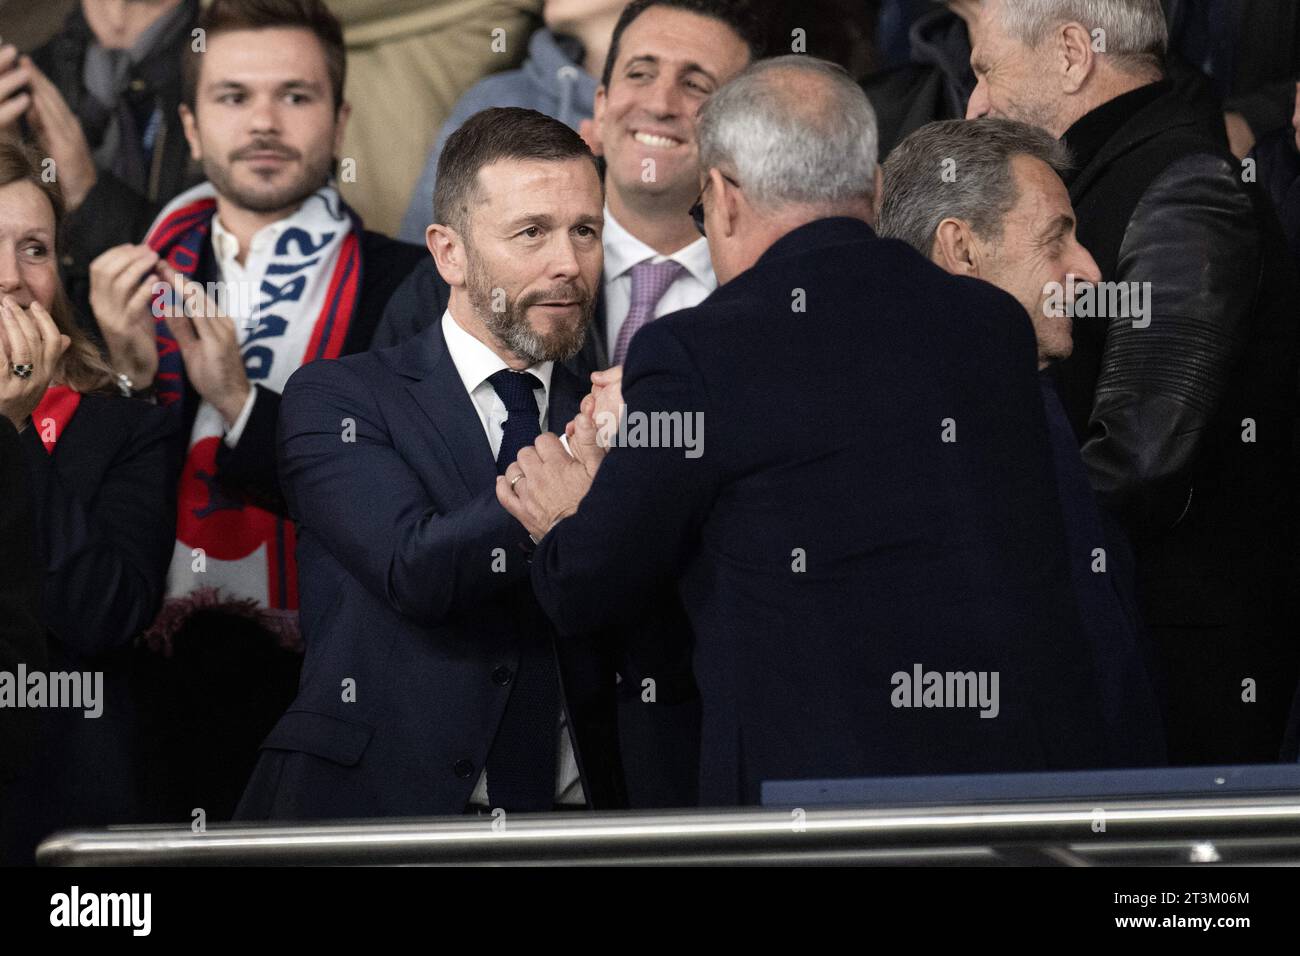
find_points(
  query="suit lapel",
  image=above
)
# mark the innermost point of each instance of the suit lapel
(438, 390)
(440, 393)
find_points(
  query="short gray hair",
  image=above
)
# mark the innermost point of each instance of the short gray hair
(792, 143)
(981, 189)
(1135, 31)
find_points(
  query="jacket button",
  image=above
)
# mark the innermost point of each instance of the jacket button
(463, 769)
(501, 676)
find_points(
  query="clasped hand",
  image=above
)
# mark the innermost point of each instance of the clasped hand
(547, 482)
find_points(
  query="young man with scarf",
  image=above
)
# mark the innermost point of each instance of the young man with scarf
(263, 112)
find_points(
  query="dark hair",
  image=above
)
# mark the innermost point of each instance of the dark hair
(223, 16)
(491, 135)
(82, 367)
(737, 14)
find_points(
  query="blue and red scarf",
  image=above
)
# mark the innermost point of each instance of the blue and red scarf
(230, 553)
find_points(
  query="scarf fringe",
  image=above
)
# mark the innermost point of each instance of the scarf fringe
(176, 612)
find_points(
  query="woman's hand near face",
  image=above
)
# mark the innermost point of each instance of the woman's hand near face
(121, 296)
(28, 337)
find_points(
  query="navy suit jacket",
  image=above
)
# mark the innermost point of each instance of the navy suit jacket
(828, 538)
(414, 596)
(660, 736)
(1107, 598)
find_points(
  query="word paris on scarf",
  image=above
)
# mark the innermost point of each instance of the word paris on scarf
(229, 552)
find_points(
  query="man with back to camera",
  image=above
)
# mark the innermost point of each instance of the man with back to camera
(874, 494)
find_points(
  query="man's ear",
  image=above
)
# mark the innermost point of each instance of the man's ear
(954, 249)
(877, 196)
(340, 124)
(726, 204)
(1075, 56)
(591, 132)
(190, 124)
(448, 251)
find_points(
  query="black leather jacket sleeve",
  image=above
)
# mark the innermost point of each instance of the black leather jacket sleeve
(1193, 237)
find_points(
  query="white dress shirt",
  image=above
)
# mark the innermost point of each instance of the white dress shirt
(624, 250)
(248, 275)
(475, 363)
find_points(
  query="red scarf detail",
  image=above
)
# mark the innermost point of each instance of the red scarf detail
(54, 412)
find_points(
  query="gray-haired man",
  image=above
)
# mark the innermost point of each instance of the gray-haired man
(1185, 408)
(875, 497)
(985, 199)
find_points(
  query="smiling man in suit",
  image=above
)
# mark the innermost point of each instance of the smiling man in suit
(666, 57)
(431, 682)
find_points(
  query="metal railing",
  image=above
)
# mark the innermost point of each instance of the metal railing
(1196, 829)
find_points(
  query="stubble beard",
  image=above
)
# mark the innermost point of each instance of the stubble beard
(315, 174)
(510, 325)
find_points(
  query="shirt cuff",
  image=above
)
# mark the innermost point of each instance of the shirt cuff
(237, 429)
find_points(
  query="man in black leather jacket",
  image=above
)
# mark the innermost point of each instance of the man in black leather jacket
(1184, 409)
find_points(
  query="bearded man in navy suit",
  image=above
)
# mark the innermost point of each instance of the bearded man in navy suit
(431, 683)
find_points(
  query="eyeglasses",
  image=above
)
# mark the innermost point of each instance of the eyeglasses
(697, 211)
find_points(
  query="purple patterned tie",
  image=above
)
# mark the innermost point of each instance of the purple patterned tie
(650, 280)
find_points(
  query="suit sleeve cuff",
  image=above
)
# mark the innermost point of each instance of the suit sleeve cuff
(237, 429)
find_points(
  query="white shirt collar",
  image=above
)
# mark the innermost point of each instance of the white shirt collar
(624, 250)
(475, 362)
(226, 245)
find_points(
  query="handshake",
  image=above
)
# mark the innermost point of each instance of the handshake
(548, 481)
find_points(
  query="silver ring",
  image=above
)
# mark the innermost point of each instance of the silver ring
(516, 479)
(24, 370)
